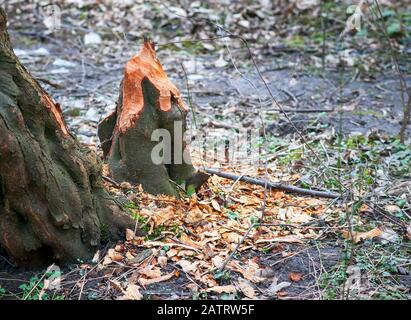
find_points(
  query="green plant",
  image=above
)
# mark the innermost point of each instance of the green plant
(33, 290)
(2, 292)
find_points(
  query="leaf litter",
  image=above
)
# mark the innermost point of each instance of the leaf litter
(195, 235)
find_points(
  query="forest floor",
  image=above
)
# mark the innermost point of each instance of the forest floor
(344, 110)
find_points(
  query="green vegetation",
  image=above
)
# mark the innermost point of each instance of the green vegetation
(34, 289)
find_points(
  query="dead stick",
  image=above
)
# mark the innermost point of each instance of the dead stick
(271, 185)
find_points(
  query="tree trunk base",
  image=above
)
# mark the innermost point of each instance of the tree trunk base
(53, 206)
(148, 102)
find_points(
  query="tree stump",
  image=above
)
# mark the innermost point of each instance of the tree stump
(52, 203)
(129, 137)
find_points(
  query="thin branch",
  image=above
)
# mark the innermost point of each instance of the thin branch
(277, 186)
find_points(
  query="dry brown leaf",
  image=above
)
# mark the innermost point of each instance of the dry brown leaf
(208, 280)
(288, 239)
(150, 272)
(392, 208)
(275, 287)
(232, 237)
(295, 276)
(187, 253)
(96, 257)
(171, 253)
(187, 266)
(282, 293)
(116, 285)
(106, 261)
(251, 272)
(160, 216)
(129, 255)
(217, 261)
(114, 255)
(293, 215)
(132, 293)
(215, 205)
(359, 236)
(409, 232)
(194, 215)
(186, 240)
(146, 282)
(388, 235)
(162, 261)
(129, 234)
(223, 289)
(246, 288)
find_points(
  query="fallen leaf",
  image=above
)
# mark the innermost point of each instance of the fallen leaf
(295, 276)
(141, 256)
(208, 280)
(96, 257)
(129, 234)
(392, 208)
(220, 62)
(187, 266)
(106, 261)
(146, 282)
(282, 293)
(171, 253)
(217, 261)
(116, 285)
(160, 216)
(251, 272)
(246, 288)
(306, 4)
(223, 289)
(215, 205)
(162, 261)
(288, 239)
(92, 38)
(388, 235)
(150, 272)
(409, 232)
(359, 236)
(194, 215)
(275, 287)
(132, 293)
(129, 255)
(232, 237)
(114, 255)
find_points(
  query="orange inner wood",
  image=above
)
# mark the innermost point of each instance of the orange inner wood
(45, 99)
(145, 65)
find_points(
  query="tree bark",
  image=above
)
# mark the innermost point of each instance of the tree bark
(148, 101)
(53, 206)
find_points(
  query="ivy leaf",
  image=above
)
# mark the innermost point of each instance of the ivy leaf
(394, 28)
(191, 190)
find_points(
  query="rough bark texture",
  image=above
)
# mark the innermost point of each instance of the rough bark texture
(52, 203)
(148, 101)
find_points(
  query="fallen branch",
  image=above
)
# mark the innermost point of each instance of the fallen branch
(277, 186)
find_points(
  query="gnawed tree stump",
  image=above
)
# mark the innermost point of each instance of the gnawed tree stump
(52, 204)
(148, 101)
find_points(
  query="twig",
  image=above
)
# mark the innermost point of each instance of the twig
(271, 185)
(304, 110)
(236, 247)
(290, 95)
(50, 83)
(108, 179)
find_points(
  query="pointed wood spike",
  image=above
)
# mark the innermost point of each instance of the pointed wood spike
(145, 65)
